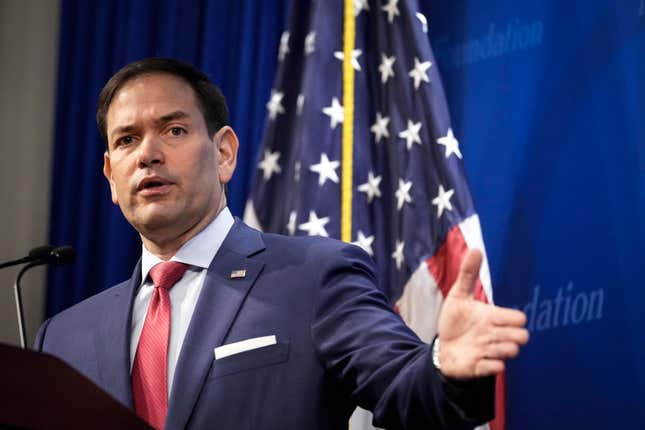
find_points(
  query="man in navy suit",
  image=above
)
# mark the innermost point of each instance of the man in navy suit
(261, 331)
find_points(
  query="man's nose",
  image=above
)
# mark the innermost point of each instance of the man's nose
(150, 151)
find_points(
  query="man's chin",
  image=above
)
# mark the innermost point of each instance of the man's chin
(150, 223)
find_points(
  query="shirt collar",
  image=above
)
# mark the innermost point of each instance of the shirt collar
(199, 251)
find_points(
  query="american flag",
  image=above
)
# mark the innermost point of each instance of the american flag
(411, 208)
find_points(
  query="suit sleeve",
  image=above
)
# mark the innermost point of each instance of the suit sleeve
(379, 361)
(40, 336)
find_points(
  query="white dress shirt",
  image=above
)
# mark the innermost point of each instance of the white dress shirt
(197, 253)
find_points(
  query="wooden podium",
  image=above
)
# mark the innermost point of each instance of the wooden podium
(39, 391)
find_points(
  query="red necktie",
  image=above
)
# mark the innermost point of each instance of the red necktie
(149, 372)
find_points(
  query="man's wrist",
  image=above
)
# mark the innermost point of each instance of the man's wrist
(436, 361)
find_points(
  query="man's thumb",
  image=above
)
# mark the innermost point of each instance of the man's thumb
(468, 274)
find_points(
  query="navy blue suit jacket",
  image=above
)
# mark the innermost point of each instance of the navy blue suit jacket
(338, 345)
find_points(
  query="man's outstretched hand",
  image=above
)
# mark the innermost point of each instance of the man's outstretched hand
(476, 338)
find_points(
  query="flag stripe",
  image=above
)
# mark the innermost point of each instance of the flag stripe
(444, 264)
(420, 303)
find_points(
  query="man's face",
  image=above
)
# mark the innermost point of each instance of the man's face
(165, 172)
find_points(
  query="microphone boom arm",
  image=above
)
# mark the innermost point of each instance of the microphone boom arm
(18, 297)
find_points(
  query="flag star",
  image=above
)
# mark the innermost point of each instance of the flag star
(420, 72)
(451, 144)
(371, 187)
(355, 54)
(291, 226)
(365, 243)
(269, 164)
(442, 201)
(274, 105)
(296, 171)
(424, 22)
(359, 6)
(411, 134)
(300, 102)
(284, 46)
(379, 128)
(335, 113)
(310, 43)
(397, 255)
(315, 226)
(391, 9)
(403, 193)
(386, 67)
(326, 169)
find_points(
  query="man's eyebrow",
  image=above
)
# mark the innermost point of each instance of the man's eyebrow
(122, 130)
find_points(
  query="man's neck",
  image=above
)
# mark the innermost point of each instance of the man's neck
(166, 247)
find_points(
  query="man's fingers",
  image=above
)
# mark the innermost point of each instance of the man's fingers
(487, 367)
(516, 335)
(502, 350)
(468, 274)
(508, 317)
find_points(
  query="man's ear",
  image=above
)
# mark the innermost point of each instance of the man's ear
(107, 172)
(227, 145)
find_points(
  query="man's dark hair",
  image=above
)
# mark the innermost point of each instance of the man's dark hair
(211, 100)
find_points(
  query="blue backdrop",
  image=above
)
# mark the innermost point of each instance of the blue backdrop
(547, 100)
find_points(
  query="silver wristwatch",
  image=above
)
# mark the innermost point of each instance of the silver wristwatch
(435, 354)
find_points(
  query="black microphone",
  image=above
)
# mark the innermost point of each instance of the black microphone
(62, 255)
(38, 256)
(40, 252)
(37, 253)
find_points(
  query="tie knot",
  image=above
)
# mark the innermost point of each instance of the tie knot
(166, 274)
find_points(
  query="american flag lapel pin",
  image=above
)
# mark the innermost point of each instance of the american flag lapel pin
(238, 274)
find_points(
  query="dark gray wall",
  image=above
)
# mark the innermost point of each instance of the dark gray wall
(28, 53)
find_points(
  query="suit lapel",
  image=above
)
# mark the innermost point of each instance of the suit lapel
(219, 302)
(113, 340)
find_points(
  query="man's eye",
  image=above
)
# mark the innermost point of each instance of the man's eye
(177, 131)
(125, 140)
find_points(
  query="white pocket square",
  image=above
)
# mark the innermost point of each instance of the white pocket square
(243, 345)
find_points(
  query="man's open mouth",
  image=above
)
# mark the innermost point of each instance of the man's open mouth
(152, 183)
